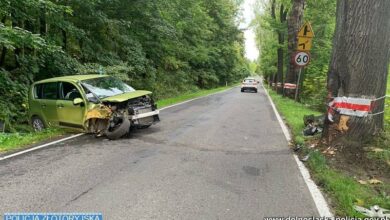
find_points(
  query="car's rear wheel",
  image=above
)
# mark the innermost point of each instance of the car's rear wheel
(37, 124)
(118, 130)
(242, 90)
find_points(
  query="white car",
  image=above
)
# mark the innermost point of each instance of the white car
(249, 84)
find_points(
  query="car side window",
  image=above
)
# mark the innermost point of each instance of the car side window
(46, 91)
(38, 91)
(69, 91)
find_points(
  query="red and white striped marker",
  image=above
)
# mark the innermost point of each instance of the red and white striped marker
(290, 86)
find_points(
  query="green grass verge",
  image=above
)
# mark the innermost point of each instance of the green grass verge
(293, 113)
(187, 96)
(16, 141)
(343, 190)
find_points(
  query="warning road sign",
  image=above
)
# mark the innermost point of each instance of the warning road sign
(304, 44)
(306, 31)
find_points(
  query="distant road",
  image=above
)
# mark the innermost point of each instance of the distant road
(218, 157)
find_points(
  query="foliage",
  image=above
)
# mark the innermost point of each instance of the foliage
(321, 14)
(166, 46)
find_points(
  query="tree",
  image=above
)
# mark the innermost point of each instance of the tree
(294, 22)
(359, 63)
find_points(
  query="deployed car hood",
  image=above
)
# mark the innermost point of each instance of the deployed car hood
(126, 96)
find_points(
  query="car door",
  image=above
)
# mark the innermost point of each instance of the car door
(48, 102)
(70, 115)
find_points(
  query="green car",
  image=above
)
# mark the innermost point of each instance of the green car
(98, 104)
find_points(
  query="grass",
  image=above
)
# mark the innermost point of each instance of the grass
(187, 96)
(343, 190)
(14, 141)
(293, 113)
(26, 137)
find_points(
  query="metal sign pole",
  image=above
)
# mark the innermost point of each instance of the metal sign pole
(299, 80)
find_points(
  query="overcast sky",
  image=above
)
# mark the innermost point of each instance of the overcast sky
(251, 51)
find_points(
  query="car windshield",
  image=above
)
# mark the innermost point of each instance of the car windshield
(104, 87)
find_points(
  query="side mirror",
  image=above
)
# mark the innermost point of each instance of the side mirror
(78, 101)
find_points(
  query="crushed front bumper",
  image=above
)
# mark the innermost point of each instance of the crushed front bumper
(144, 115)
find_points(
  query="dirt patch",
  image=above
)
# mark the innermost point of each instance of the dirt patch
(357, 161)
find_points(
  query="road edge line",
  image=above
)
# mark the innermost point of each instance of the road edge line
(200, 97)
(40, 146)
(80, 134)
(319, 199)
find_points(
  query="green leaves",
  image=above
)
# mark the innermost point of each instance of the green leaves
(167, 46)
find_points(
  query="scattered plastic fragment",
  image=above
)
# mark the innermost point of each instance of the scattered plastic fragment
(374, 211)
(305, 158)
(297, 148)
(375, 181)
(363, 182)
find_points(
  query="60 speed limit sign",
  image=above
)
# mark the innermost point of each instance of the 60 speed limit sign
(301, 58)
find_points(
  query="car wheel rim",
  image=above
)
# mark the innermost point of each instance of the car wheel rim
(37, 125)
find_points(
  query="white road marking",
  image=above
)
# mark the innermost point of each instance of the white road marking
(319, 200)
(78, 135)
(190, 100)
(40, 146)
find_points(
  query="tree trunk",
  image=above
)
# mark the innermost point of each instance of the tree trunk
(294, 22)
(282, 19)
(359, 64)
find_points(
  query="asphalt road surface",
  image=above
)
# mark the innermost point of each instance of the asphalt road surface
(219, 157)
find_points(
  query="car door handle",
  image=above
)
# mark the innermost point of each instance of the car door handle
(60, 106)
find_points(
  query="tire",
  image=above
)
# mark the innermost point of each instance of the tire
(255, 90)
(37, 124)
(118, 131)
(143, 126)
(242, 90)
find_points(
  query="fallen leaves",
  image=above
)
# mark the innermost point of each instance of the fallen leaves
(331, 151)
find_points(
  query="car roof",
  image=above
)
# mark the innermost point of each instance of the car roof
(252, 78)
(72, 78)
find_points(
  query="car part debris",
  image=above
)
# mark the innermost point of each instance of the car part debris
(374, 211)
(305, 158)
(297, 148)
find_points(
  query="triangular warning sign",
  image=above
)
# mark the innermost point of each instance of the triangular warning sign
(306, 31)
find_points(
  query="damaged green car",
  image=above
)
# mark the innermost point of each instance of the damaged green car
(98, 104)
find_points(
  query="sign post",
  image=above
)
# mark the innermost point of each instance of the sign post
(302, 56)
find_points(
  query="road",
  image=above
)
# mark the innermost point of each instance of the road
(219, 157)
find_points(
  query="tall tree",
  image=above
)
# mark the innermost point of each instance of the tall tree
(294, 21)
(359, 63)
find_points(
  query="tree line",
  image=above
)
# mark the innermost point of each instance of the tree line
(277, 25)
(167, 46)
(350, 58)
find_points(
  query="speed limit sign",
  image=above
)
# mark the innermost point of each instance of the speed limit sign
(301, 58)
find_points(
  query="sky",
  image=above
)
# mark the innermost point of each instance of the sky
(251, 51)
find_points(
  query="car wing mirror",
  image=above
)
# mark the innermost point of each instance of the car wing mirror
(78, 101)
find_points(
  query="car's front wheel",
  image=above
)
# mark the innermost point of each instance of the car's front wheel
(37, 124)
(118, 129)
